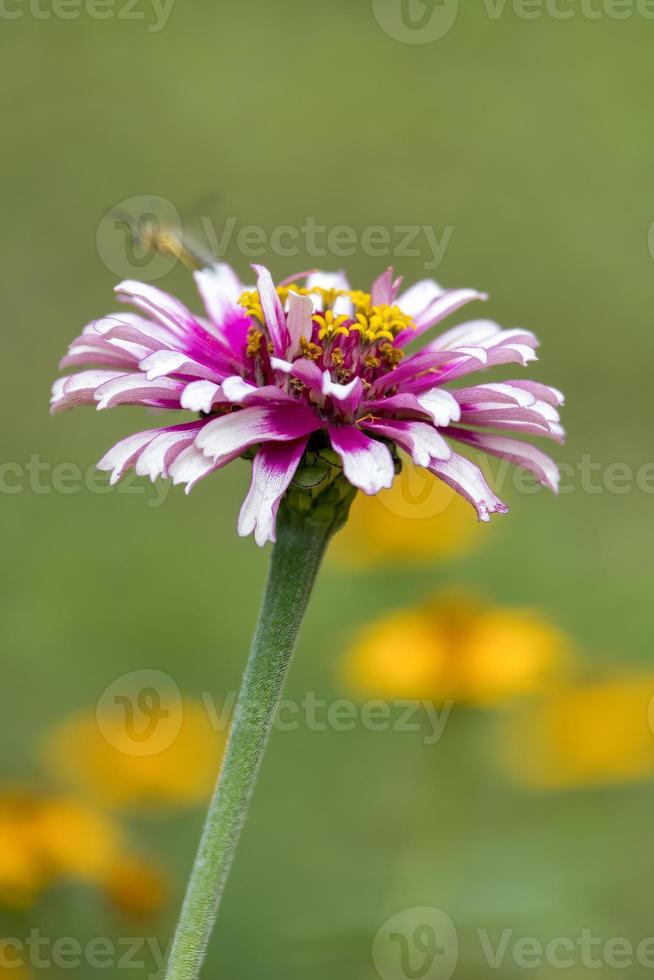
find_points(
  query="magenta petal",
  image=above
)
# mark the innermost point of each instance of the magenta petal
(272, 310)
(346, 398)
(155, 458)
(233, 433)
(382, 292)
(220, 289)
(79, 389)
(441, 307)
(124, 454)
(539, 391)
(134, 389)
(367, 463)
(165, 362)
(305, 371)
(468, 480)
(272, 471)
(420, 439)
(521, 453)
(493, 395)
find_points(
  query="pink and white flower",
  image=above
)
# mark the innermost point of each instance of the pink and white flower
(309, 364)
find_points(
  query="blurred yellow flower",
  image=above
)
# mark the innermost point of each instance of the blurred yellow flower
(76, 840)
(99, 756)
(459, 648)
(419, 519)
(22, 871)
(590, 734)
(46, 839)
(137, 887)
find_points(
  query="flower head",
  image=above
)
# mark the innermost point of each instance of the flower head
(175, 766)
(313, 376)
(594, 733)
(51, 838)
(458, 647)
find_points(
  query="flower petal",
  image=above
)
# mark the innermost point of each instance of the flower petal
(541, 392)
(191, 466)
(155, 458)
(493, 396)
(220, 288)
(124, 454)
(468, 480)
(306, 371)
(272, 471)
(383, 289)
(165, 362)
(298, 322)
(134, 389)
(442, 306)
(233, 433)
(79, 389)
(367, 464)
(420, 439)
(441, 405)
(521, 453)
(419, 297)
(272, 310)
(201, 396)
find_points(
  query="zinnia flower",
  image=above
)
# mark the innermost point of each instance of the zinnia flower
(316, 373)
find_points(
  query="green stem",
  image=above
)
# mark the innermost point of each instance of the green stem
(301, 543)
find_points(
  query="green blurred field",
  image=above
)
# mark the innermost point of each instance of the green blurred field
(534, 140)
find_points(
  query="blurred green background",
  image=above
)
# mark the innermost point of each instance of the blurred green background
(533, 140)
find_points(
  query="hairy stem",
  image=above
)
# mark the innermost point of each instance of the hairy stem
(296, 557)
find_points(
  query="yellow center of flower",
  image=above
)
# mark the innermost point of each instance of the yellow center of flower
(331, 326)
(376, 325)
(382, 323)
